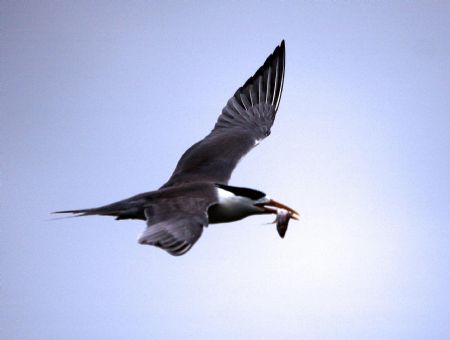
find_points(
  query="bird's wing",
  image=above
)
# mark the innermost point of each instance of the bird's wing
(245, 120)
(175, 224)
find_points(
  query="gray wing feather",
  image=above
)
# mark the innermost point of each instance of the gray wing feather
(245, 120)
(176, 236)
(175, 221)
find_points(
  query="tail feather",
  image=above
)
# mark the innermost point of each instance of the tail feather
(121, 210)
(80, 212)
(130, 208)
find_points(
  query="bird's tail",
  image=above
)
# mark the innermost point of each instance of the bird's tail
(121, 210)
(82, 212)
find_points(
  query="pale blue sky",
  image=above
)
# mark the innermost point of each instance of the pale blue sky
(98, 101)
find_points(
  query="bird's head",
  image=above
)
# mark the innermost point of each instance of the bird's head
(258, 202)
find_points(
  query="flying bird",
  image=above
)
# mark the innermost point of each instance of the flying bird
(197, 193)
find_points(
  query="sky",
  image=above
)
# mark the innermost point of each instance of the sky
(100, 99)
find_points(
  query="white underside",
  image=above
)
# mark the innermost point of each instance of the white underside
(231, 207)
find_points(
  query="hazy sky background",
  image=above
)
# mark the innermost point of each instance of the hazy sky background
(99, 100)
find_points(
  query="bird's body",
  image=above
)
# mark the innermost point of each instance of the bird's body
(197, 193)
(221, 203)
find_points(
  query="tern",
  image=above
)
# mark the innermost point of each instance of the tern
(197, 193)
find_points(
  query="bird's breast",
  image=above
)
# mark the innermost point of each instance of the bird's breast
(230, 208)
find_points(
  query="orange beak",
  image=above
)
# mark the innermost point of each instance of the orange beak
(270, 207)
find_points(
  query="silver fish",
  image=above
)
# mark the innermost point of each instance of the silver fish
(282, 220)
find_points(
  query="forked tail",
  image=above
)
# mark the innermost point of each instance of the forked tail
(82, 212)
(126, 209)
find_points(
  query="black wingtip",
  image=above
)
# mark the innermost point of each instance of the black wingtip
(280, 49)
(279, 52)
(261, 92)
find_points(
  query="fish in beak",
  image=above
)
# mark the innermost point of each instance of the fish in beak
(283, 212)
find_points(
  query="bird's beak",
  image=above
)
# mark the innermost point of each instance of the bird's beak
(272, 205)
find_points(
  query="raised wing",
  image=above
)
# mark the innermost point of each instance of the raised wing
(245, 120)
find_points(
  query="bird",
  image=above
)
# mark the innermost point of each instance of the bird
(197, 193)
